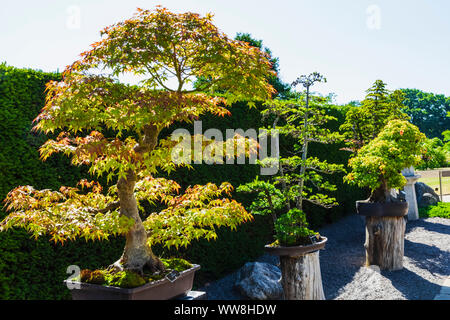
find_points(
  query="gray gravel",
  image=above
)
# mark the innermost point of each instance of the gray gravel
(426, 264)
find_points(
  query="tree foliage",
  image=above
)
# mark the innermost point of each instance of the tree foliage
(428, 111)
(378, 165)
(300, 177)
(90, 99)
(436, 155)
(363, 122)
(282, 89)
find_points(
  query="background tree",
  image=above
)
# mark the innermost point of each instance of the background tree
(427, 111)
(282, 89)
(436, 154)
(364, 122)
(161, 48)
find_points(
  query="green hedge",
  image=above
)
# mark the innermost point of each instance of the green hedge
(32, 269)
(35, 269)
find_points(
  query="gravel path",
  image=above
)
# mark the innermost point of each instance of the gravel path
(426, 264)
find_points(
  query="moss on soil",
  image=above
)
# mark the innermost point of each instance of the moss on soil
(131, 279)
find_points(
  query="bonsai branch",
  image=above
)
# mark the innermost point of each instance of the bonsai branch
(109, 207)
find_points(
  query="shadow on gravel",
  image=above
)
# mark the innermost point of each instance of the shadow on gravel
(429, 226)
(411, 285)
(428, 257)
(344, 254)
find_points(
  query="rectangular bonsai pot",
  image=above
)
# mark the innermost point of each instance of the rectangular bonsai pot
(162, 289)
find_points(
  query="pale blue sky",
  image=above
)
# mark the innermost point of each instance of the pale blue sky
(410, 49)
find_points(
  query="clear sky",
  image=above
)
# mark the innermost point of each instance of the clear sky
(406, 43)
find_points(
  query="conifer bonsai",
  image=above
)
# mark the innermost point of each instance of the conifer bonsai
(303, 118)
(114, 128)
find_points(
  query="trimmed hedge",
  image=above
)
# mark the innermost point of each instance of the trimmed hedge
(35, 269)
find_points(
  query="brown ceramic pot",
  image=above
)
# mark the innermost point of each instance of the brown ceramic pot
(296, 251)
(378, 209)
(162, 289)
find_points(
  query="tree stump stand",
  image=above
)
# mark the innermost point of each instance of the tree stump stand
(301, 278)
(385, 242)
(300, 270)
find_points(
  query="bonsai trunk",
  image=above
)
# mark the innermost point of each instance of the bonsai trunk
(382, 194)
(137, 253)
(301, 183)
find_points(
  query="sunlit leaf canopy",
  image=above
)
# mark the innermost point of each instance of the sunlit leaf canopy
(71, 213)
(154, 45)
(379, 163)
(115, 157)
(157, 46)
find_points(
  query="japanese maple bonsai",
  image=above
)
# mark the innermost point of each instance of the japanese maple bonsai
(299, 179)
(161, 49)
(378, 166)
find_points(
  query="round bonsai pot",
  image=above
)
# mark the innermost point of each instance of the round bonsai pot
(163, 289)
(378, 209)
(295, 251)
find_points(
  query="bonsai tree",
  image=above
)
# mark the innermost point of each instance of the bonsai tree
(114, 127)
(300, 179)
(378, 165)
(363, 122)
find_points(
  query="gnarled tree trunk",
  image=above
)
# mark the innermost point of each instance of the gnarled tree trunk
(301, 278)
(137, 253)
(385, 242)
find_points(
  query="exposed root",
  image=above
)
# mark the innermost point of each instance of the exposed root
(153, 264)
